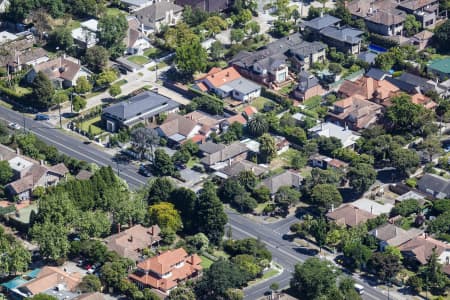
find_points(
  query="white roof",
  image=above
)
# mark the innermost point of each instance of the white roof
(84, 35)
(19, 164)
(91, 24)
(251, 145)
(346, 136)
(6, 36)
(373, 207)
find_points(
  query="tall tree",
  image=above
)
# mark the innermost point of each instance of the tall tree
(62, 37)
(6, 173)
(165, 215)
(51, 238)
(42, 90)
(144, 140)
(361, 177)
(258, 125)
(162, 164)
(385, 265)
(325, 196)
(210, 215)
(267, 148)
(160, 189)
(112, 29)
(96, 58)
(191, 57)
(405, 160)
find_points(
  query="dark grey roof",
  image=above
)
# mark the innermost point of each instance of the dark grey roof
(322, 22)
(344, 34)
(404, 86)
(418, 81)
(155, 12)
(210, 147)
(306, 81)
(368, 57)
(286, 178)
(146, 103)
(277, 52)
(435, 183)
(245, 165)
(376, 74)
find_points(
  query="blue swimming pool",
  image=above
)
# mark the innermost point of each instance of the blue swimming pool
(377, 49)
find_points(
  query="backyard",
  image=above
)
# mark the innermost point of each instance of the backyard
(259, 103)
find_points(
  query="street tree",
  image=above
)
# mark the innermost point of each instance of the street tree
(210, 216)
(319, 230)
(160, 190)
(144, 141)
(385, 265)
(90, 283)
(405, 160)
(115, 90)
(162, 164)
(287, 196)
(78, 103)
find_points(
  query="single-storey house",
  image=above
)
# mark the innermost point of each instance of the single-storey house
(373, 207)
(325, 162)
(434, 185)
(143, 107)
(349, 216)
(287, 178)
(206, 5)
(63, 71)
(178, 129)
(228, 83)
(347, 137)
(392, 235)
(241, 166)
(218, 156)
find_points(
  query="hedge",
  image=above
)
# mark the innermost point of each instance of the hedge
(202, 94)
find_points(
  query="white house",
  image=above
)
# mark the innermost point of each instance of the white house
(86, 35)
(347, 137)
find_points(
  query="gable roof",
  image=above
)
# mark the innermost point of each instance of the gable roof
(367, 56)
(163, 262)
(90, 296)
(224, 154)
(343, 34)
(244, 165)
(439, 185)
(217, 77)
(394, 235)
(322, 22)
(422, 247)
(349, 215)
(410, 83)
(287, 178)
(177, 124)
(346, 136)
(376, 74)
(157, 11)
(415, 4)
(60, 67)
(146, 104)
(210, 147)
(129, 242)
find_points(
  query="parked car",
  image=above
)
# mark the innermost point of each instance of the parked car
(144, 171)
(14, 126)
(42, 117)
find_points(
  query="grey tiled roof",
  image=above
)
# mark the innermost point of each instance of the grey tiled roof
(322, 22)
(368, 57)
(146, 102)
(286, 178)
(210, 147)
(343, 34)
(376, 74)
(306, 81)
(243, 85)
(431, 182)
(155, 12)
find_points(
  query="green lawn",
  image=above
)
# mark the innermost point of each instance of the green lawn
(21, 90)
(259, 103)
(194, 160)
(286, 90)
(206, 262)
(114, 11)
(94, 124)
(268, 274)
(121, 82)
(138, 59)
(154, 52)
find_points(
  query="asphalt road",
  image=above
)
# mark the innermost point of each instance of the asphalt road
(284, 252)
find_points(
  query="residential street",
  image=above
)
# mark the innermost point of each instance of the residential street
(284, 252)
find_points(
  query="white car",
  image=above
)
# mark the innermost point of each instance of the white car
(14, 126)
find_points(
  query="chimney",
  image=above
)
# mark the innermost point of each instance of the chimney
(41, 162)
(17, 151)
(371, 209)
(332, 207)
(130, 239)
(376, 232)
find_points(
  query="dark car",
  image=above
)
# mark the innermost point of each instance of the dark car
(42, 117)
(144, 171)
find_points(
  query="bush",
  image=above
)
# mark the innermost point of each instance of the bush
(411, 182)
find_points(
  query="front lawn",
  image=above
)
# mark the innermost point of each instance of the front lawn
(94, 125)
(259, 103)
(138, 59)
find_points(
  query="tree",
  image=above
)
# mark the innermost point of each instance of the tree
(51, 238)
(15, 258)
(359, 254)
(83, 85)
(42, 90)
(411, 26)
(184, 201)
(160, 190)
(144, 141)
(432, 273)
(96, 58)
(319, 230)
(258, 125)
(281, 28)
(106, 77)
(327, 145)
(182, 292)
(237, 35)
(78, 103)
(112, 30)
(197, 243)
(210, 215)
(115, 90)
(194, 16)
(361, 177)
(432, 146)
(287, 196)
(217, 50)
(244, 202)
(325, 196)
(313, 279)
(406, 208)
(261, 194)
(191, 57)
(62, 37)
(43, 297)
(165, 215)
(252, 28)
(405, 116)
(216, 280)
(240, 19)
(267, 148)
(214, 25)
(248, 265)
(178, 35)
(162, 164)
(405, 160)
(112, 273)
(6, 173)
(93, 224)
(234, 294)
(442, 36)
(90, 283)
(385, 265)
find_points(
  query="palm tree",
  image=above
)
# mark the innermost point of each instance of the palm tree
(258, 125)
